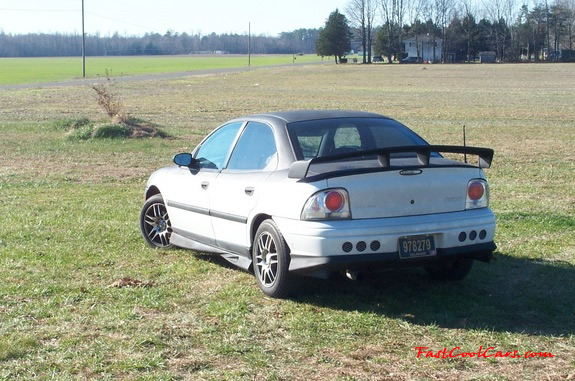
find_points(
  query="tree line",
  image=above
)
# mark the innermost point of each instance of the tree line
(546, 31)
(170, 43)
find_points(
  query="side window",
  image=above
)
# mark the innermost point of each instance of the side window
(310, 145)
(256, 148)
(215, 149)
(346, 137)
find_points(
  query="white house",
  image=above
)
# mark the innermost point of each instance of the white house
(425, 47)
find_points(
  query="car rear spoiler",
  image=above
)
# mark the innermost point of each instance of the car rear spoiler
(300, 169)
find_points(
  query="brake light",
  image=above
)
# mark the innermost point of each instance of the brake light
(475, 190)
(327, 204)
(477, 194)
(333, 201)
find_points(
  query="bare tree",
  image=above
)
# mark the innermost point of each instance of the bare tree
(496, 11)
(393, 14)
(362, 15)
(570, 33)
(356, 10)
(560, 19)
(511, 14)
(442, 12)
(493, 10)
(416, 11)
(468, 24)
(548, 28)
(370, 9)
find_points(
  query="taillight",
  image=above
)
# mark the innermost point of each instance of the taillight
(477, 194)
(333, 201)
(327, 204)
(475, 190)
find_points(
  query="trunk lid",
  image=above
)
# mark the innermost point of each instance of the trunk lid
(405, 189)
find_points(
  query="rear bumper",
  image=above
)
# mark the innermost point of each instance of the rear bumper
(372, 243)
(373, 262)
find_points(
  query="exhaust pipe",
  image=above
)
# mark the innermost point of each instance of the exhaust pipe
(352, 274)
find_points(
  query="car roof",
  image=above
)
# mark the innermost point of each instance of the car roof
(303, 115)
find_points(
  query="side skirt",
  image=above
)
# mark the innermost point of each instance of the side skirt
(182, 239)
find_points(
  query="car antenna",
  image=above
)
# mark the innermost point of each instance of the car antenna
(464, 144)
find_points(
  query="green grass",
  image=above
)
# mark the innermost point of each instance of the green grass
(30, 70)
(69, 230)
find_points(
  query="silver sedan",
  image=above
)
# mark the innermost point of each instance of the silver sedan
(312, 192)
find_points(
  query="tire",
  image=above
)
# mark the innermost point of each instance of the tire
(455, 270)
(270, 255)
(155, 223)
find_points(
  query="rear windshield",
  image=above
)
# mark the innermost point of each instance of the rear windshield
(328, 137)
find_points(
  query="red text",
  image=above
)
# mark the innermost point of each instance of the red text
(489, 352)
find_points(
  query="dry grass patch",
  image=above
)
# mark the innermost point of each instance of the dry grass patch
(69, 229)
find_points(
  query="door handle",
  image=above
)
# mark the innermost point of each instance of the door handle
(205, 185)
(249, 190)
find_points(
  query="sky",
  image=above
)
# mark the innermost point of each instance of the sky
(137, 17)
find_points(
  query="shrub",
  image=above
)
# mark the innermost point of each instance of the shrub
(112, 131)
(121, 124)
(84, 129)
(110, 102)
(82, 133)
(72, 123)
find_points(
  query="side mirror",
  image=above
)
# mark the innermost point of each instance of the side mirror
(184, 160)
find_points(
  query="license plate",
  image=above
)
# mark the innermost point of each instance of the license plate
(416, 246)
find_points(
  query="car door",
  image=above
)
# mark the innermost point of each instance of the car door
(189, 202)
(240, 185)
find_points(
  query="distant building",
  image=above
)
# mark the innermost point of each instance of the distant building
(567, 55)
(561, 55)
(487, 57)
(425, 47)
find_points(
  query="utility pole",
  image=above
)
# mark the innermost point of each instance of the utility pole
(83, 45)
(249, 43)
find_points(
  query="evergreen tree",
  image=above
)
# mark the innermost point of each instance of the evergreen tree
(335, 37)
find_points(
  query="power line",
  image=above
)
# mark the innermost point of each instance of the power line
(78, 10)
(39, 10)
(123, 22)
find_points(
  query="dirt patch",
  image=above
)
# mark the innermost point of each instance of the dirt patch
(130, 282)
(144, 130)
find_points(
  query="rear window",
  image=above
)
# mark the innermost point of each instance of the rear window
(328, 137)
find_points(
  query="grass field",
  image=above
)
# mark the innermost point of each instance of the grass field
(31, 70)
(69, 233)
